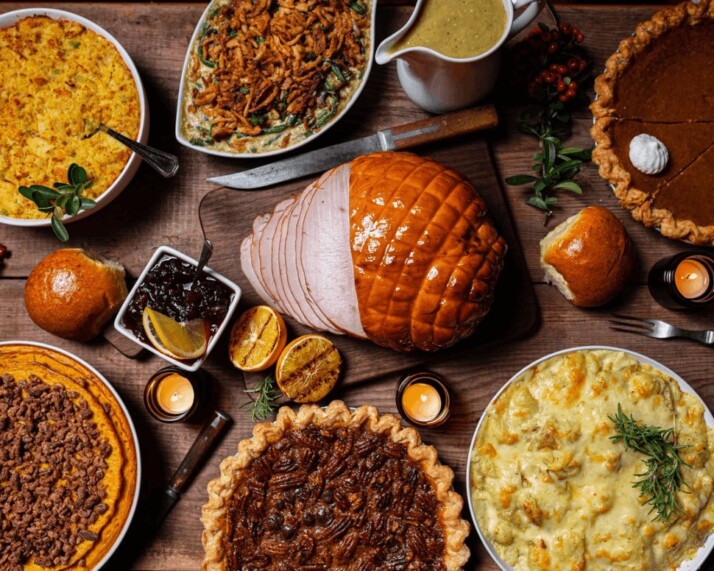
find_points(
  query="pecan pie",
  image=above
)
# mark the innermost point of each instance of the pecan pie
(334, 489)
(68, 466)
(660, 82)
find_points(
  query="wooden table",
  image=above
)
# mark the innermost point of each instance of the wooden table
(153, 211)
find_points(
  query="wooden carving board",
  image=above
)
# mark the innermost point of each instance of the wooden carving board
(227, 216)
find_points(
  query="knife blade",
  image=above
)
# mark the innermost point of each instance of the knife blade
(397, 138)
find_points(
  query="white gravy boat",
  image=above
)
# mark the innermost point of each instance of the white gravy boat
(438, 83)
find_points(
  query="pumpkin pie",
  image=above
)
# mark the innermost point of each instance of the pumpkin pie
(334, 489)
(68, 465)
(660, 82)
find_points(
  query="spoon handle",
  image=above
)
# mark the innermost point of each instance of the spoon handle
(206, 253)
(165, 163)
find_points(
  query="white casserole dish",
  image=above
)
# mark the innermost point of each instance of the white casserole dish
(690, 565)
(132, 165)
(182, 94)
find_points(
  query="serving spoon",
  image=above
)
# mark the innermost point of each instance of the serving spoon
(164, 163)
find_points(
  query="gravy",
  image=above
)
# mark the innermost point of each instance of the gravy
(457, 28)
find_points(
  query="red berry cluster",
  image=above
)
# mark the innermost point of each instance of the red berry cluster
(549, 63)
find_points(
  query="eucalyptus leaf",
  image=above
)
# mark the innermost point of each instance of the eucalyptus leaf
(59, 229)
(520, 179)
(76, 174)
(537, 203)
(73, 204)
(569, 185)
(45, 191)
(27, 192)
(63, 200)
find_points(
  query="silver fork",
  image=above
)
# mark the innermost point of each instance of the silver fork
(657, 329)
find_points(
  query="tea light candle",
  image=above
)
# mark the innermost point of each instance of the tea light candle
(423, 399)
(683, 281)
(421, 402)
(691, 278)
(174, 394)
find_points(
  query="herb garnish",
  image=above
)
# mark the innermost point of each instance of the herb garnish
(264, 404)
(555, 166)
(64, 198)
(549, 68)
(663, 478)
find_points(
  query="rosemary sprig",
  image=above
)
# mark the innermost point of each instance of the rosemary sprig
(264, 405)
(663, 478)
(555, 166)
(64, 198)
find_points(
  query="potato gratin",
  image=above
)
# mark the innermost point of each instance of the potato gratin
(57, 76)
(551, 490)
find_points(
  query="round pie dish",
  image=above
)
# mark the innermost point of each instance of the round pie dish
(676, 44)
(195, 129)
(334, 488)
(561, 510)
(82, 418)
(130, 164)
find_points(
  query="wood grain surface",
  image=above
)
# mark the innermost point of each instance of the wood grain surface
(153, 211)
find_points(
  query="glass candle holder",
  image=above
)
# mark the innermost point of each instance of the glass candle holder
(424, 399)
(173, 395)
(683, 281)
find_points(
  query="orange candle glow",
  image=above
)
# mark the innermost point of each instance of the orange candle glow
(421, 402)
(174, 394)
(691, 278)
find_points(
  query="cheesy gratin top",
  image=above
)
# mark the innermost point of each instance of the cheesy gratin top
(551, 490)
(57, 77)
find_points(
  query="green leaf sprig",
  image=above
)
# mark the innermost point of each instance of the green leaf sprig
(264, 405)
(64, 199)
(555, 166)
(663, 478)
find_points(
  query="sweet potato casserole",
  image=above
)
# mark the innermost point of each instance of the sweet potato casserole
(265, 74)
(550, 487)
(56, 75)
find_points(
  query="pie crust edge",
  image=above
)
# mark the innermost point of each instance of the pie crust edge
(221, 490)
(639, 203)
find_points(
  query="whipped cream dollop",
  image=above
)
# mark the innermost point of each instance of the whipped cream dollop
(648, 154)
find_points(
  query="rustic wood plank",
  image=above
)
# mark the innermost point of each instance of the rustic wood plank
(153, 211)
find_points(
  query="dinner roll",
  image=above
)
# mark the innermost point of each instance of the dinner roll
(588, 257)
(72, 293)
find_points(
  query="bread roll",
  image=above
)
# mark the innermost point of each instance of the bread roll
(588, 257)
(72, 293)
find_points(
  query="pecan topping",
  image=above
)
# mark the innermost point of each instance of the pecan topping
(343, 499)
(52, 462)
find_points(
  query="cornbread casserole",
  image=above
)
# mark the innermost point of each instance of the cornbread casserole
(263, 75)
(56, 75)
(551, 490)
(68, 473)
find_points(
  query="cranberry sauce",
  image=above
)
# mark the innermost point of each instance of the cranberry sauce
(166, 289)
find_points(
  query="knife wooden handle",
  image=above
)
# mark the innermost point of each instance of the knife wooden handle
(442, 127)
(208, 438)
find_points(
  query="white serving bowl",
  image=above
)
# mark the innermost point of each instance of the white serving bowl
(690, 565)
(132, 165)
(134, 437)
(191, 365)
(238, 155)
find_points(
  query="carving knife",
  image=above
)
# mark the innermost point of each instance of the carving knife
(395, 139)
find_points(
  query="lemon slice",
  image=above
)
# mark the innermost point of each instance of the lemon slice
(308, 368)
(187, 340)
(257, 339)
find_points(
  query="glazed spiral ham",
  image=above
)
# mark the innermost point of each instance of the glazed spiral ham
(390, 247)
